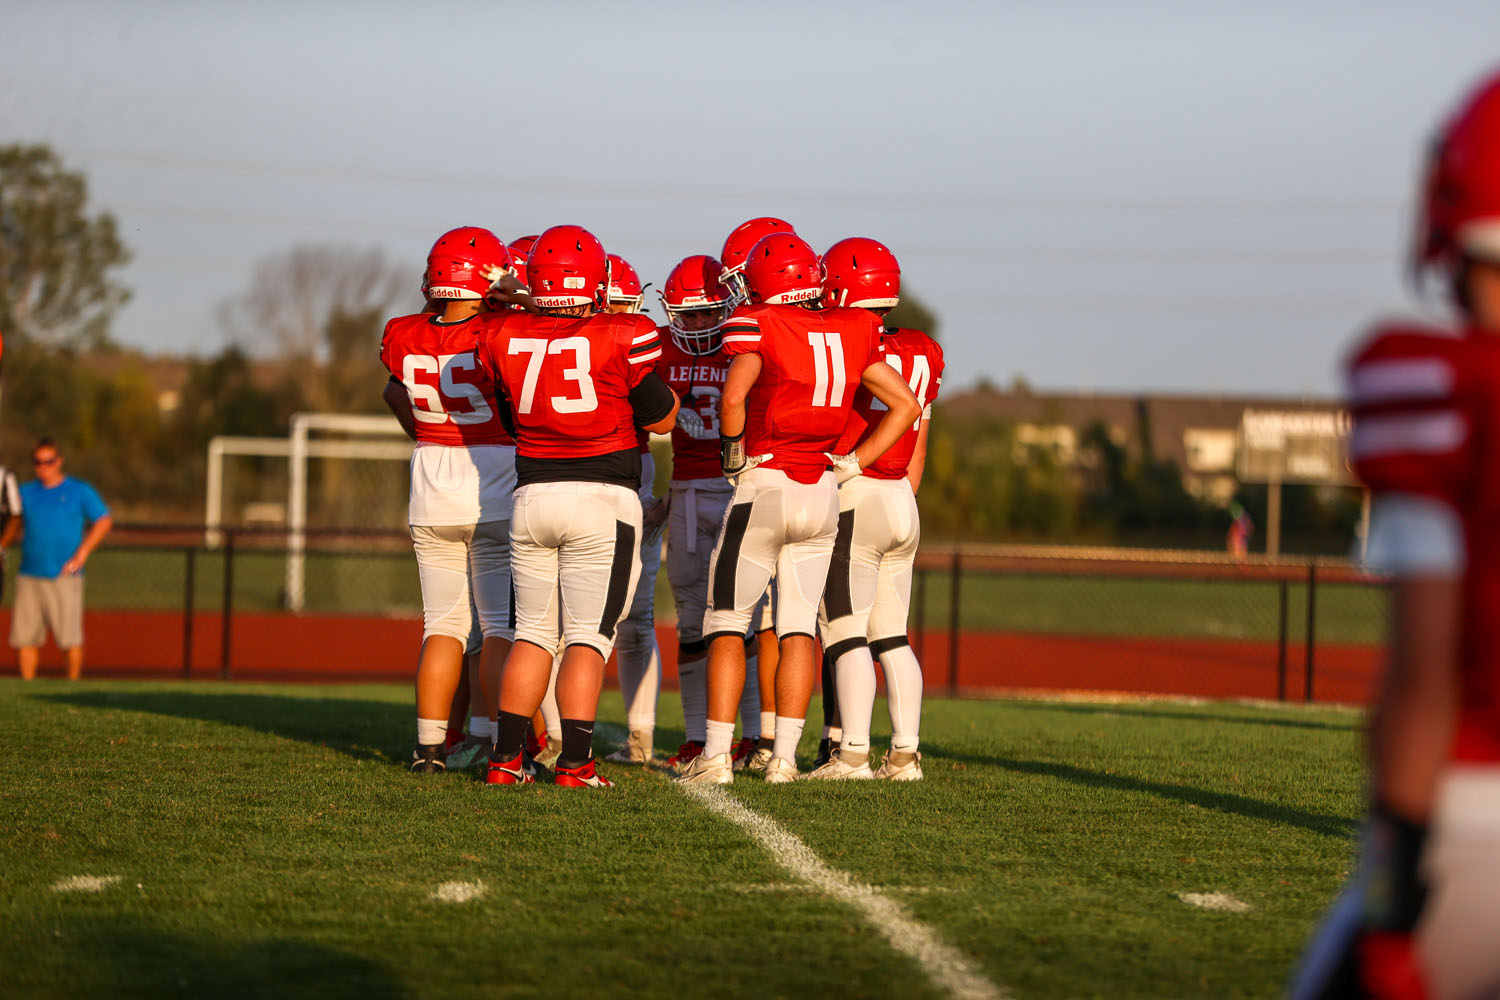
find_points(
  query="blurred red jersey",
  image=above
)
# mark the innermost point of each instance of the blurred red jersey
(812, 361)
(698, 381)
(568, 379)
(918, 359)
(452, 395)
(1427, 439)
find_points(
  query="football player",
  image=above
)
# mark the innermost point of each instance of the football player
(1421, 915)
(792, 376)
(638, 658)
(462, 475)
(698, 303)
(868, 594)
(579, 385)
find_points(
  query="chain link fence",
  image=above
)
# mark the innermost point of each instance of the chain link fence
(162, 601)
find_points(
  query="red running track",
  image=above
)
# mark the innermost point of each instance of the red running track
(282, 647)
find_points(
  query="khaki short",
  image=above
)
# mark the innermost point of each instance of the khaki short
(43, 604)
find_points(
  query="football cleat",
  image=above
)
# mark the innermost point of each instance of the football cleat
(637, 749)
(469, 753)
(839, 769)
(583, 776)
(743, 751)
(509, 772)
(685, 755)
(781, 770)
(757, 761)
(907, 768)
(826, 752)
(703, 770)
(428, 759)
(548, 754)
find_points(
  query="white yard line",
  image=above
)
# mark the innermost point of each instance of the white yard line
(456, 892)
(1221, 902)
(85, 883)
(948, 968)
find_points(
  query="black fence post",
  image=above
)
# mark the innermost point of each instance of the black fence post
(226, 612)
(921, 615)
(188, 591)
(955, 581)
(1282, 588)
(1312, 628)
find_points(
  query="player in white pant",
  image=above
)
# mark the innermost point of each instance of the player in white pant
(868, 592)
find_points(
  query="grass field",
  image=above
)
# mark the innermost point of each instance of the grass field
(267, 841)
(387, 584)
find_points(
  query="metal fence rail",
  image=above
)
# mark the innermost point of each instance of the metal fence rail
(161, 601)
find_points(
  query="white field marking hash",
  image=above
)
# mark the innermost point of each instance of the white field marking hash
(1218, 901)
(85, 883)
(457, 892)
(948, 968)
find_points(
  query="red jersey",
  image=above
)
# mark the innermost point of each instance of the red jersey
(698, 381)
(452, 395)
(812, 361)
(918, 359)
(568, 379)
(1427, 425)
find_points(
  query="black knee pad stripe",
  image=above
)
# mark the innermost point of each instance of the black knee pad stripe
(832, 653)
(793, 635)
(837, 598)
(728, 559)
(619, 578)
(879, 646)
(691, 650)
(708, 639)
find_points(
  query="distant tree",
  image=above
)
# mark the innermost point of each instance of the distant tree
(315, 306)
(912, 312)
(56, 260)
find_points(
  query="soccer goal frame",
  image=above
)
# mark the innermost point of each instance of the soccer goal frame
(297, 447)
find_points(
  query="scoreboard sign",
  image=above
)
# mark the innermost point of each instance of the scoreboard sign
(1295, 446)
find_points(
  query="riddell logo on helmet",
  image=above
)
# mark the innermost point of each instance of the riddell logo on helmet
(800, 295)
(555, 301)
(445, 293)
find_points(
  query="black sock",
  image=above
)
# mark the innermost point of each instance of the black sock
(578, 742)
(830, 700)
(510, 735)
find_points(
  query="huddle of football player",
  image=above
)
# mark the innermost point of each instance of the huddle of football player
(1421, 915)
(798, 422)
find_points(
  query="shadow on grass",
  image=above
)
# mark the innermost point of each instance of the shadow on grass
(1227, 802)
(1147, 712)
(123, 957)
(367, 730)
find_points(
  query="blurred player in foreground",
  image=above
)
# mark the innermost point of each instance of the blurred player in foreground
(792, 376)
(1421, 915)
(578, 385)
(868, 595)
(462, 476)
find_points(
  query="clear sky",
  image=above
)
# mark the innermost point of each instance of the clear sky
(1193, 196)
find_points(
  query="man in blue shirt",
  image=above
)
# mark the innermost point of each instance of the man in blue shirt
(61, 521)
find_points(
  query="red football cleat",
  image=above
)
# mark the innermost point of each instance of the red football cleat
(684, 754)
(742, 751)
(585, 776)
(509, 772)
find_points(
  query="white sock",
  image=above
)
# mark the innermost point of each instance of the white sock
(432, 731)
(903, 686)
(482, 726)
(692, 682)
(768, 724)
(639, 663)
(788, 735)
(855, 671)
(750, 713)
(551, 716)
(719, 739)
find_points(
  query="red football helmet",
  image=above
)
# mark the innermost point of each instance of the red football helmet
(464, 263)
(782, 269)
(520, 249)
(739, 244)
(625, 288)
(567, 266)
(1461, 202)
(697, 303)
(861, 273)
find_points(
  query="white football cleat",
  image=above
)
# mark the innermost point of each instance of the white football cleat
(706, 770)
(637, 749)
(907, 770)
(757, 761)
(839, 769)
(781, 770)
